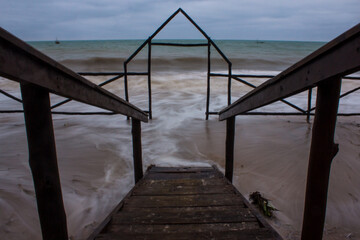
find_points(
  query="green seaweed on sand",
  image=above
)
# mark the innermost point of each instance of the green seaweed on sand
(262, 203)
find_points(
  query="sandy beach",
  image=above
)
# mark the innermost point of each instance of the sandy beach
(95, 153)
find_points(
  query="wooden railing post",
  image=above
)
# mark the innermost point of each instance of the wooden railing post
(309, 105)
(322, 151)
(137, 152)
(43, 162)
(229, 154)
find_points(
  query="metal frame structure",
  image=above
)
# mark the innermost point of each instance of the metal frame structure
(149, 42)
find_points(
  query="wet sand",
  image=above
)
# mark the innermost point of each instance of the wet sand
(95, 159)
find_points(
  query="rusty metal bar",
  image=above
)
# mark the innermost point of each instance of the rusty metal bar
(253, 86)
(180, 44)
(351, 91)
(213, 113)
(100, 85)
(149, 79)
(164, 24)
(323, 150)
(305, 74)
(43, 162)
(351, 78)
(126, 83)
(229, 151)
(137, 51)
(206, 36)
(309, 105)
(208, 82)
(241, 75)
(194, 23)
(100, 73)
(11, 96)
(229, 84)
(137, 152)
(22, 63)
(120, 74)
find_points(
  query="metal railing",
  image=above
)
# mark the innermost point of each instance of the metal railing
(323, 69)
(38, 76)
(299, 111)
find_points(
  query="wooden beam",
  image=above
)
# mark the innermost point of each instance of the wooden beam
(339, 57)
(20, 62)
(43, 162)
(230, 141)
(137, 153)
(322, 151)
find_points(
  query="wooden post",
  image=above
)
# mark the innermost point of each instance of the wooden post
(43, 162)
(229, 152)
(309, 105)
(208, 84)
(229, 85)
(137, 152)
(322, 151)
(149, 79)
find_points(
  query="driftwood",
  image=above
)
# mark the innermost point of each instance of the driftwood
(262, 203)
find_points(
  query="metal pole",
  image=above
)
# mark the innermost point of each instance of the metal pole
(230, 140)
(229, 85)
(137, 152)
(322, 151)
(208, 83)
(126, 82)
(309, 105)
(43, 162)
(149, 79)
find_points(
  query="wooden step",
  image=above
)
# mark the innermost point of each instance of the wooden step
(184, 203)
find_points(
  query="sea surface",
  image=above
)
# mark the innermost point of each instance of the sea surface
(95, 152)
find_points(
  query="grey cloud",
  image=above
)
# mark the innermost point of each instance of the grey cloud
(226, 19)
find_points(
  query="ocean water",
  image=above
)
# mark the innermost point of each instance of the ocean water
(244, 55)
(95, 152)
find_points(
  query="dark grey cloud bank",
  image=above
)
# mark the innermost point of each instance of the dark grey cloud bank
(314, 20)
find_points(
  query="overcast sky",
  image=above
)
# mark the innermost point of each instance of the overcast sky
(313, 20)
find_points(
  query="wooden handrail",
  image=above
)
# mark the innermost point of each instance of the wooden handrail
(338, 58)
(22, 63)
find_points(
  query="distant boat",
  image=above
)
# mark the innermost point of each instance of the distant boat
(57, 41)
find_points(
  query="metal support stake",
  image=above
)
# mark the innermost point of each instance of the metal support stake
(126, 82)
(309, 105)
(230, 140)
(322, 151)
(149, 78)
(137, 152)
(229, 85)
(208, 83)
(43, 162)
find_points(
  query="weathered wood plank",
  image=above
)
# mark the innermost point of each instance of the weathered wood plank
(184, 201)
(182, 228)
(185, 182)
(160, 209)
(181, 169)
(188, 215)
(162, 189)
(246, 234)
(184, 175)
